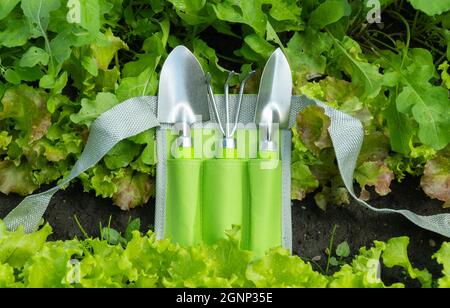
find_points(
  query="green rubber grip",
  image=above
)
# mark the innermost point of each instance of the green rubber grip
(225, 197)
(183, 201)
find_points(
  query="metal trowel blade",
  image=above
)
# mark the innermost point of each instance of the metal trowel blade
(182, 96)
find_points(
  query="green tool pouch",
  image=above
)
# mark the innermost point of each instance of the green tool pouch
(206, 198)
(199, 199)
(224, 197)
(184, 199)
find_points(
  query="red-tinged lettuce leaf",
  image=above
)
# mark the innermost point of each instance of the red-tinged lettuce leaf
(345, 96)
(28, 110)
(338, 90)
(375, 174)
(134, 189)
(16, 179)
(312, 125)
(375, 148)
(435, 181)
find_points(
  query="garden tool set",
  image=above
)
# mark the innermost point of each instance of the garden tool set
(198, 196)
(205, 196)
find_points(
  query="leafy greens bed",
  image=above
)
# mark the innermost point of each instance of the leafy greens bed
(63, 63)
(28, 260)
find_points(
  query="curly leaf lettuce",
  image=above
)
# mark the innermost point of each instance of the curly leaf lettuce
(443, 258)
(435, 181)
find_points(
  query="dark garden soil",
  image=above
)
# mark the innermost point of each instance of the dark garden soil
(312, 228)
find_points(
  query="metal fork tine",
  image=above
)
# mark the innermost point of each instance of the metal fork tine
(213, 102)
(226, 130)
(241, 95)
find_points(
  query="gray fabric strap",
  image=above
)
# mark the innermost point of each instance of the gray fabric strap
(160, 203)
(347, 136)
(122, 121)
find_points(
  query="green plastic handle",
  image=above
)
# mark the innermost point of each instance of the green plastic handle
(183, 153)
(183, 201)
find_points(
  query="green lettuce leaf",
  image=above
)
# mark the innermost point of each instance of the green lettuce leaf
(278, 269)
(16, 248)
(91, 109)
(243, 12)
(303, 181)
(353, 62)
(363, 271)
(329, 12)
(445, 75)
(7, 278)
(5, 140)
(6, 7)
(396, 254)
(431, 8)
(443, 258)
(50, 267)
(104, 53)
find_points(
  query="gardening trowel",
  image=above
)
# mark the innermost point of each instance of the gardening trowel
(182, 97)
(274, 100)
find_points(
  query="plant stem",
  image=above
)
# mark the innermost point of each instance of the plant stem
(408, 36)
(330, 249)
(230, 59)
(384, 44)
(83, 231)
(416, 16)
(384, 34)
(428, 46)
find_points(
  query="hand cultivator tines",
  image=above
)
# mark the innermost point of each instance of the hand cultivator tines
(230, 128)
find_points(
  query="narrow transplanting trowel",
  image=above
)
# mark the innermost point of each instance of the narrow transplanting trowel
(182, 97)
(274, 100)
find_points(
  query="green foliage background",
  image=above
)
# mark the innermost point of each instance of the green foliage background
(63, 63)
(29, 260)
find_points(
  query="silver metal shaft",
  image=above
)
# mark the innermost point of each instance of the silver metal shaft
(229, 129)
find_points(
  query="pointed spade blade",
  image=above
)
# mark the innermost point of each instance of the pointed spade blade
(275, 92)
(182, 96)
